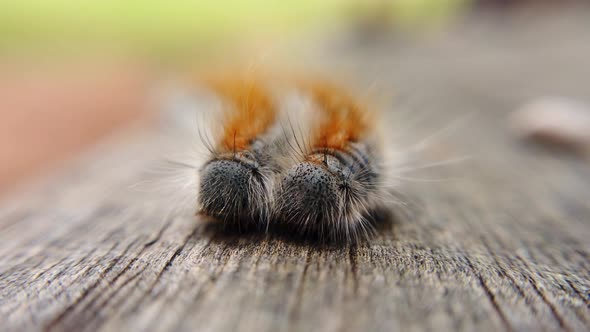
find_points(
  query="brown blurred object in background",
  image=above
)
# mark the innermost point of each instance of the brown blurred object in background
(554, 121)
(50, 112)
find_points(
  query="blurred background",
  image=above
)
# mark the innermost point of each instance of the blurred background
(75, 72)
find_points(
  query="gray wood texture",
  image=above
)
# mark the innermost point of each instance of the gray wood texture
(502, 242)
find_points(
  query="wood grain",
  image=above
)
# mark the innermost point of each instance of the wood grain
(501, 244)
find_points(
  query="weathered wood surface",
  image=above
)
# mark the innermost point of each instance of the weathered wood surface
(502, 245)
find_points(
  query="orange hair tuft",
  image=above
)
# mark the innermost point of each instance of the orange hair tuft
(251, 112)
(342, 118)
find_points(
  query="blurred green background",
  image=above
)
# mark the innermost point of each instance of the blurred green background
(174, 26)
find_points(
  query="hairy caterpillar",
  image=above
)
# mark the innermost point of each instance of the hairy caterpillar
(310, 165)
(332, 190)
(236, 183)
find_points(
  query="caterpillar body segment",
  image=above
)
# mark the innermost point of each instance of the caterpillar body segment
(236, 183)
(331, 192)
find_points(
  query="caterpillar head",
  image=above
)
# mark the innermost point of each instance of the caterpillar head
(233, 190)
(320, 197)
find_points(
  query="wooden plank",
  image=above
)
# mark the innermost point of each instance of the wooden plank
(501, 244)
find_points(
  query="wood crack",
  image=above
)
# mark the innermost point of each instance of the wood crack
(158, 235)
(352, 254)
(166, 267)
(514, 283)
(554, 312)
(491, 297)
(70, 308)
(299, 290)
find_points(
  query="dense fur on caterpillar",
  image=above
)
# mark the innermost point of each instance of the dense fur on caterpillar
(237, 181)
(311, 164)
(334, 187)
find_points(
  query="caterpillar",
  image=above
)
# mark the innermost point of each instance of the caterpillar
(237, 181)
(312, 166)
(313, 170)
(331, 192)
